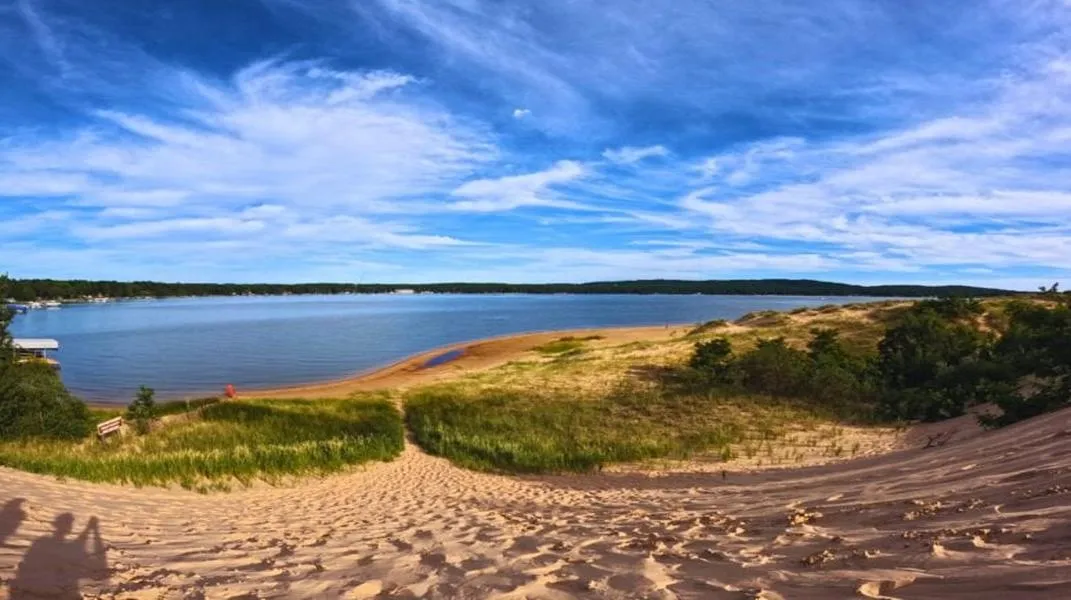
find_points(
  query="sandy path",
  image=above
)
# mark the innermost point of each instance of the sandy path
(984, 517)
(476, 355)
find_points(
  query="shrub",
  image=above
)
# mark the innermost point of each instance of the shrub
(933, 363)
(714, 359)
(1037, 346)
(35, 403)
(914, 352)
(774, 368)
(1016, 406)
(1038, 340)
(142, 411)
(33, 399)
(954, 307)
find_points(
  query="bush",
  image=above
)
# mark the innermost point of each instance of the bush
(915, 352)
(33, 399)
(774, 368)
(714, 359)
(955, 308)
(933, 363)
(142, 411)
(1038, 340)
(35, 403)
(1016, 406)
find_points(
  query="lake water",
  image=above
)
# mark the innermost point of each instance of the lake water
(189, 346)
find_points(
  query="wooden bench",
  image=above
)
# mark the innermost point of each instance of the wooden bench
(109, 427)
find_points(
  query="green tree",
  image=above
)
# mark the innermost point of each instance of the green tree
(839, 379)
(922, 345)
(774, 368)
(714, 359)
(142, 411)
(1035, 351)
(919, 357)
(6, 351)
(35, 403)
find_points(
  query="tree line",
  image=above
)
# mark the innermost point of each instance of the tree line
(24, 290)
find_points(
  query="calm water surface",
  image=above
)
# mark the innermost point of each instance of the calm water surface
(183, 347)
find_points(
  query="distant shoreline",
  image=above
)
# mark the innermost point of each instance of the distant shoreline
(26, 290)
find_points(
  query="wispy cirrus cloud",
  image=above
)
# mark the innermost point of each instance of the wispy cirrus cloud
(515, 191)
(630, 154)
(297, 134)
(485, 140)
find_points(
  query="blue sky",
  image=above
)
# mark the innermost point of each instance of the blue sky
(467, 140)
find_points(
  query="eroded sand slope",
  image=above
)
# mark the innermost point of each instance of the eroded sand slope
(984, 517)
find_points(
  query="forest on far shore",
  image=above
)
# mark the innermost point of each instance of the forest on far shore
(24, 290)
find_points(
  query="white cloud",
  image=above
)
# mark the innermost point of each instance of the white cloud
(893, 162)
(189, 226)
(628, 155)
(986, 188)
(515, 191)
(362, 231)
(708, 168)
(51, 46)
(278, 137)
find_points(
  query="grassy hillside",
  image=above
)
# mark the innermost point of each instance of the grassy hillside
(228, 442)
(777, 388)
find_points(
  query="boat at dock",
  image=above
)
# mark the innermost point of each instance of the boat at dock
(18, 308)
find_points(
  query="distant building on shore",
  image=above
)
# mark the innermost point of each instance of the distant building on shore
(404, 291)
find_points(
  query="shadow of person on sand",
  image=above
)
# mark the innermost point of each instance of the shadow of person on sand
(11, 516)
(54, 564)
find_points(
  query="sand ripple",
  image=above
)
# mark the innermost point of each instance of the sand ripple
(988, 516)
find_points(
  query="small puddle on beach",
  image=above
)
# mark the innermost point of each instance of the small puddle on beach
(443, 358)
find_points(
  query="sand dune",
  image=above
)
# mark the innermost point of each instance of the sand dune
(987, 516)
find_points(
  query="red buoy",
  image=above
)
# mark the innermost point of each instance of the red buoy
(229, 391)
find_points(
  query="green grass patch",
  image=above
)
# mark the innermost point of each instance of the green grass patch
(178, 407)
(236, 440)
(565, 344)
(98, 414)
(514, 431)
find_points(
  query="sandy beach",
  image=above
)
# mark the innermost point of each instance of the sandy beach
(472, 356)
(978, 515)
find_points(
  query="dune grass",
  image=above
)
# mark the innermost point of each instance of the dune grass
(229, 441)
(178, 407)
(565, 345)
(525, 431)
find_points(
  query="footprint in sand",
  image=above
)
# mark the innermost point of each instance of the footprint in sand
(879, 590)
(368, 589)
